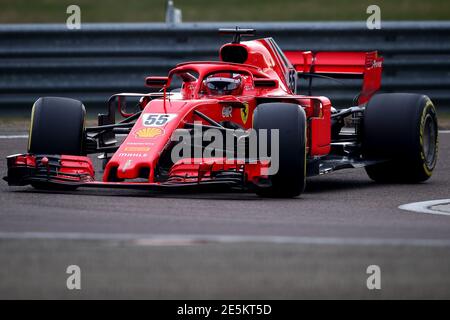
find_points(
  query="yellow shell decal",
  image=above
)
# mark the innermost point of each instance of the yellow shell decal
(244, 112)
(137, 149)
(149, 132)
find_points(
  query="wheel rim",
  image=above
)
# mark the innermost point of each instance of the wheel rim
(429, 140)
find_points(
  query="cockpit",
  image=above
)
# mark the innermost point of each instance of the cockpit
(223, 84)
(198, 80)
(219, 83)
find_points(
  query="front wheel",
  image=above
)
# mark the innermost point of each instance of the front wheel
(401, 130)
(57, 127)
(290, 121)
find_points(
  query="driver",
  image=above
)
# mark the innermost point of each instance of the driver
(223, 84)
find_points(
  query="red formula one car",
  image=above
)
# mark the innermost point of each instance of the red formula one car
(236, 123)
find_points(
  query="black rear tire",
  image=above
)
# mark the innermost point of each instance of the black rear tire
(401, 128)
(57, 126)
(290, 120)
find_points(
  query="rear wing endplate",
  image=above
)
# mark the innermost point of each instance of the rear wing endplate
(351, 65)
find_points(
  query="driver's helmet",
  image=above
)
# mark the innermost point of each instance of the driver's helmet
(223, 84)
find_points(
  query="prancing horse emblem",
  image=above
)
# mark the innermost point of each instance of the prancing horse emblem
(244, 112)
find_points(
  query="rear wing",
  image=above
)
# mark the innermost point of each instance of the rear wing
(354, 65)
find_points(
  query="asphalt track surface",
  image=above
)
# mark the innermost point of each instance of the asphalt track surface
(131, 244)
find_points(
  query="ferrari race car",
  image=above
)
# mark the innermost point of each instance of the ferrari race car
(237, 123)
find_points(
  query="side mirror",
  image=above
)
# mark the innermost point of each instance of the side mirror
(265, 83)
(156, 82)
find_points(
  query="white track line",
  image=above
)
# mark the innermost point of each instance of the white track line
(18, 136)
(158, 240)
(425, 207)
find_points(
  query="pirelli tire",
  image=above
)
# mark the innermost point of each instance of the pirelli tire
(57, 128)
(290, 121)
(401, 131)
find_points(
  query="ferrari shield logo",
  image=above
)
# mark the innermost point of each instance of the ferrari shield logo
(244, 113)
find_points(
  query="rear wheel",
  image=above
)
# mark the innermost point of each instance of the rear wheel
(402, 129)
(57, 127)
(290, 120)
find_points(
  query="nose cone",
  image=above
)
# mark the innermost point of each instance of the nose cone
(139, 153)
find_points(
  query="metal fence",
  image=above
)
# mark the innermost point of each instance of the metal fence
(101, 59)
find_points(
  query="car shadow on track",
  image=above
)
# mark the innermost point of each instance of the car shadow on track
(320, 185)
(314, 186)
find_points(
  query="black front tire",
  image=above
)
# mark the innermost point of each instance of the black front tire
(402, 129)
(290, 179)
(57, 128)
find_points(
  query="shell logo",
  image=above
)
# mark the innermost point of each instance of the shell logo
(149, 132)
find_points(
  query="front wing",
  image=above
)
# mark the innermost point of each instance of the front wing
(67, 172)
